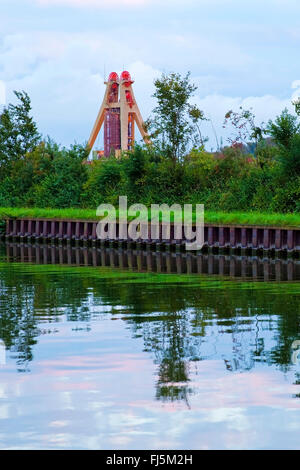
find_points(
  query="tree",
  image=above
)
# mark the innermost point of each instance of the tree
(246, 130)
(174, 119)
(197, 116)
(249, 137)
(62, 185)
(289, 157)
(296, 104)
(284, 128)
(18, 131)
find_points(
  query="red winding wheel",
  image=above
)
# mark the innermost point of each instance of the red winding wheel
(113, 77)
(126, 76)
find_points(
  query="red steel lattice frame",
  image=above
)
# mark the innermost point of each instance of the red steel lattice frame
(130, 131)
(112, 131)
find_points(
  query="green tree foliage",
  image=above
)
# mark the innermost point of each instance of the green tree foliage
(285, 133)
(40, 173)
(244, 125)
(284, 128)
(63, 184)
(296, 104)
(290, 157)
(173, 118)
(197, 116)
(248, 135)
(18, 131)
(46, 177)
(103, 184)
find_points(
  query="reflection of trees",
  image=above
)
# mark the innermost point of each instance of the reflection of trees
(29, 300)
(172, 348)
(297, 382)
(17, 324)
(179, 324)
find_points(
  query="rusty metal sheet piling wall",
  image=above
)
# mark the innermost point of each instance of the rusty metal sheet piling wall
(216, 237)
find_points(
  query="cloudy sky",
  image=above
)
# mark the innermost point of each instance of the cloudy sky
(238, 52)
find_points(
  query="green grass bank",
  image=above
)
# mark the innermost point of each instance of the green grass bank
(211, 217)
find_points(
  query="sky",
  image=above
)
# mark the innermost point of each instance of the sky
(239, 53)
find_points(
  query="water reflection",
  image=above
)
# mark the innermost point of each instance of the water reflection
(180, 325)
(104, 350)
(266, 269)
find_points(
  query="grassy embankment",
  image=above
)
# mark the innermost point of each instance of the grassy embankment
(211, 217)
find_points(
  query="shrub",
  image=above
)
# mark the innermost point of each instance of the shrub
(290, 158)
(103, 183)
(62, 186)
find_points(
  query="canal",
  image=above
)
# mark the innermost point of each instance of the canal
(122, 349)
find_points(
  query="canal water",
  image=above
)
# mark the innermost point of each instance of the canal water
(112, 349)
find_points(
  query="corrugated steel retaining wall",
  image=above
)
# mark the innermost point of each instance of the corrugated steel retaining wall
(216, 237)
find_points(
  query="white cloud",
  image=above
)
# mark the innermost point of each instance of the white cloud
(64, 73)
(207, 51)
(215, 106)
(296, 86)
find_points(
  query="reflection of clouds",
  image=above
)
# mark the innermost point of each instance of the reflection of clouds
(128, 419)
(90, 420)
(58, 440)
(120, 441)
(257, 388)
(261, 387)
(67, 400)
(58, 424)
(2, 390)
(235, 417)
(98, 405)
(4, 411)
(96, 392)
